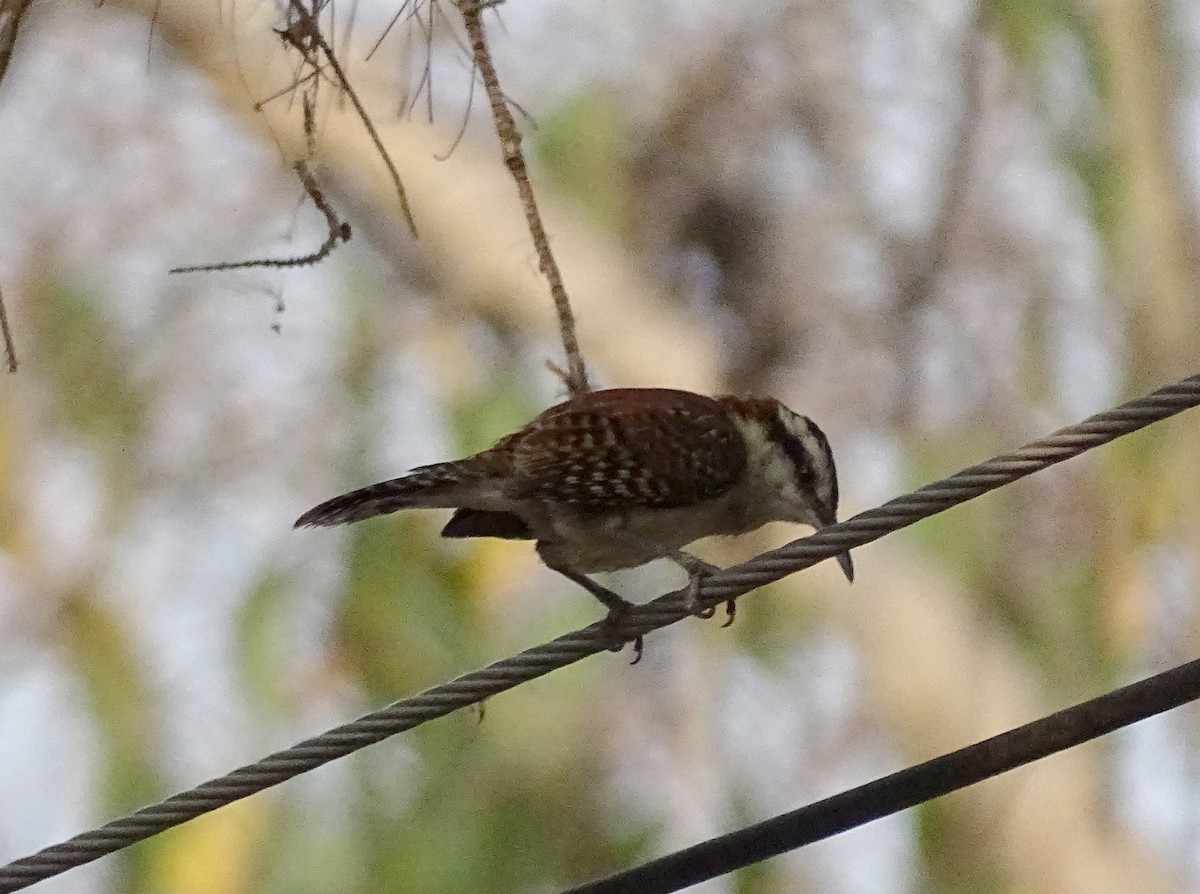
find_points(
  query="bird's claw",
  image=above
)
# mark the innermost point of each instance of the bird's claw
(709, 611)
(697, 570)
(730, 612)
(637, 650)
(613, 629)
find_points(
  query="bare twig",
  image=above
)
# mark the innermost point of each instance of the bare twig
(10, 21)
(10, 351)
(150, 33)
(304, 33)
(386, 31)
(284, 91)
(916, 287)
(514, 160)
(917, 273)
(339, 231)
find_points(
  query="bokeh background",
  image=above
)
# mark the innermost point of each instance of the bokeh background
(939, 228)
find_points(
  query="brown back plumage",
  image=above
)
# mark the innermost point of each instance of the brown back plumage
(650, 447)
(623, 447)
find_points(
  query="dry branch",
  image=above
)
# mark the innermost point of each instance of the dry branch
(514, 160)
(10, 351)
(304, 34)
(339, 231)
(11, 12)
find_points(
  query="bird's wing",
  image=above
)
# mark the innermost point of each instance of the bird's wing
(485, 523)
(629, 447)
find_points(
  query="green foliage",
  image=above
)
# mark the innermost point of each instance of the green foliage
(1027, 27)
(945, 537)
(489, 815)
(97, 646)
(582, 145)
(479, 420)
(87, 366)
(1139, 483)
(405, 619)
(1031, 31)
(952, 859)
(1101, 175)
(757, 878)
(507, 802)
(1057, 619)
(769, 625)
(256, 629)
(1081, 655)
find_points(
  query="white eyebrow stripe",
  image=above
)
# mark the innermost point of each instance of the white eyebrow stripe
(816, 444)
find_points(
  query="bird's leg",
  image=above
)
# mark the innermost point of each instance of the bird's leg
(697, 570)
(617, 607)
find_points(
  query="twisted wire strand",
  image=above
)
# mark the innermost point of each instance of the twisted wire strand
(474, 687)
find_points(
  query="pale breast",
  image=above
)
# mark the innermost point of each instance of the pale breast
(636, 537)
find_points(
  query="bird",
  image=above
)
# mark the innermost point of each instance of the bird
(616, 478)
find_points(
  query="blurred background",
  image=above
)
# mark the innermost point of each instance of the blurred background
(940, 228)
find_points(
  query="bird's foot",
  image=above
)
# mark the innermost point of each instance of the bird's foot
(697, 570)
(613, 628)
(709, 611)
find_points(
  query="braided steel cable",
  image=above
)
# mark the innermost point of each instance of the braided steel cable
(474, 687)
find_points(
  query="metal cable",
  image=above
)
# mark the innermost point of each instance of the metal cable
(474, 687)
(906, 788)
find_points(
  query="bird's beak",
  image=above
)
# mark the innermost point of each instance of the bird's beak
(847, 565)
(828, 517)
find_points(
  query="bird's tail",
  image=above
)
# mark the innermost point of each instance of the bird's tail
(426, 487)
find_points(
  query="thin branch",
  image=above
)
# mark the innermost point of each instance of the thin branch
(305, 35)
(339, 231)
(916, 288)
(514, 160)
(474, 687)
(462, 130)
(150, 33)
(386, 31)
(11, 12)
(918, 276)
(289, 89)
(909, 787)
(10, 351)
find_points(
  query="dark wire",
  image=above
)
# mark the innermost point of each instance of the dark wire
(907, 788)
